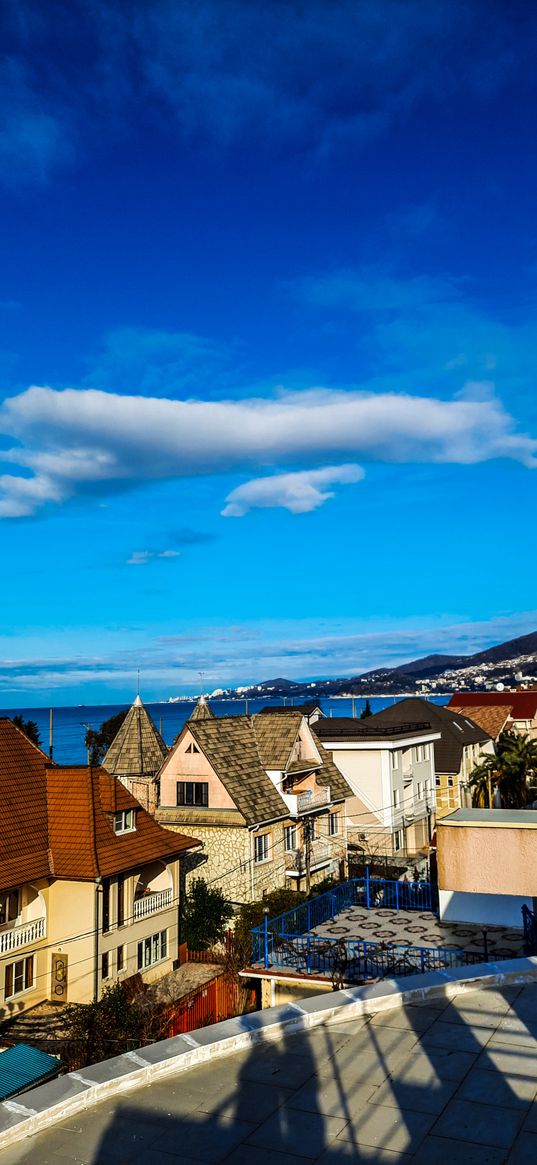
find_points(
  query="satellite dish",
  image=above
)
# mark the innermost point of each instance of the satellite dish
(500, 687)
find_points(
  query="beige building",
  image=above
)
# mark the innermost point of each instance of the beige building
(136, 754)
(89, 881)
(487, 865)
(390, 769)
(262, 795)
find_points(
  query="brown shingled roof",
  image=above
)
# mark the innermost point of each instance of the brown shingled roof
(202, 711)
(276, 736)
(492, 718)
(230, 745)
(137, 748)
(56, 820)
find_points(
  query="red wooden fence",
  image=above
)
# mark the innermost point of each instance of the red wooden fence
(216, 1000)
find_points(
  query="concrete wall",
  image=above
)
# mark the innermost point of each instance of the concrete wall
(483, 909)
(483, 859)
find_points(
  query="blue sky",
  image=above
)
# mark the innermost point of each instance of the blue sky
(268, 290)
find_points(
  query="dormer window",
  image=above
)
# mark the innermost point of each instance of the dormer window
(192, 748)
(125, 821)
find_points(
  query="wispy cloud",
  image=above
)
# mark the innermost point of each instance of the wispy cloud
(142, 557)
(297, 492)
(80, 442)
(324, 74)
(155, 362)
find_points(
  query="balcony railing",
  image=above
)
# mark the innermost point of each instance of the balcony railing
(22, 936)
(150, 903)
(307, 801)
(321, 851)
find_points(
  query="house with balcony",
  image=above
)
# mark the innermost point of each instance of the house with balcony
(89, 882)
(263, 796)
(457, 750)
(390, 769)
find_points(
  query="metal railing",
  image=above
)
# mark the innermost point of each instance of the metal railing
(321, 851)
(529, 922)
(307, 801)
(354, 959)
(373, 893)
(152, 902)
(22, 936)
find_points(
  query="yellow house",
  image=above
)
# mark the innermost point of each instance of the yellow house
(89, 882)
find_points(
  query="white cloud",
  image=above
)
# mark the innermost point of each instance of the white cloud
(297, 492)
(86, 441)
(142, 557)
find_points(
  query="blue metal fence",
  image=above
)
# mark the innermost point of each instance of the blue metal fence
(354, 959)
(529, 920)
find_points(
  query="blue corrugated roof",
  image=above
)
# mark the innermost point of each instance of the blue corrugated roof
(22, 1066)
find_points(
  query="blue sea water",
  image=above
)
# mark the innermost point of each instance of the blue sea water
(70, 724)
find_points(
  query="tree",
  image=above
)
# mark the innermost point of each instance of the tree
(206, 913)
(107, 1028)
(98, 741)
(509, 768)
(30, 729)
(366, 711)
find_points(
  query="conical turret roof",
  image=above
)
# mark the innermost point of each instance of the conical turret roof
(137, 749)
(202, 711)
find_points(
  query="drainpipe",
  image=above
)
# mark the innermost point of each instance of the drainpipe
(98, 890)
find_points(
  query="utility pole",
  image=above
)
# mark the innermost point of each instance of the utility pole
(88, 727)
(353, 708)
(50, 736)
(160, 725)
(307, 852)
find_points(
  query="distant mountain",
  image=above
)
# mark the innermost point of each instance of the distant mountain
(504, 663)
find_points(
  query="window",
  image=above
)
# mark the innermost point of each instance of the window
(192, 748)
(125, 821)
(398, 839)
(152, 950)
(106, 905)
(9, 906)
(193, 793)
(395, 759)
(426, 752)
(333, 824)
(289, 837)
(450, 782)
(437, 782)
(121, 900)
(19, 977)
(396, 798)
(262, 847)
(420, 790)
(120, 958)
(105, 965)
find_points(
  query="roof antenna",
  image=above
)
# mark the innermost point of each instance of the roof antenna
(201, 676)
(138, 684)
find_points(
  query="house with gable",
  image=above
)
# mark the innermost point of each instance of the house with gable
(136, 754)
(263, 796)
(89, 881)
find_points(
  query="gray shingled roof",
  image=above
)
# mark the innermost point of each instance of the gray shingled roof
(231, 745)
(202, 711)
(137, 749)
(456, 731)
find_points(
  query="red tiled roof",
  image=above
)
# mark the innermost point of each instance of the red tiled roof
(523, 704)
(57, 820)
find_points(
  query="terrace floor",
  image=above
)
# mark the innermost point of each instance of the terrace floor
(427, 1083)
(423, 930)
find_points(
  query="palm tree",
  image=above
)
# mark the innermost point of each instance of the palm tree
(509, 767)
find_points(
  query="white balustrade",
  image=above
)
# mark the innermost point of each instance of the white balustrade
(22, 936)
(307, 801)
(152, 902)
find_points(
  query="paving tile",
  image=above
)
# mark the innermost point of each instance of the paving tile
(418, 1095)
(387, 1128)
(246, 1100)
(271, 1066)
(243, 1155)
(530, 1123)
(406, 1018)
(444, 1063)
(291, 1131)
(487, 1087)
(321, 1043)
(510, 1059)
(340, 1152)
(483, 1123)
(203, 1137)
(524, 1151)
(454, 1035)
(331, 1098)
(438, 1150)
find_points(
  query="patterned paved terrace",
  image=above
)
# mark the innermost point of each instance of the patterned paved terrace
(423, 930)
(428, 1083)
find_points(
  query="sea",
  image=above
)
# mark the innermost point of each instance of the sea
(70, 724)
